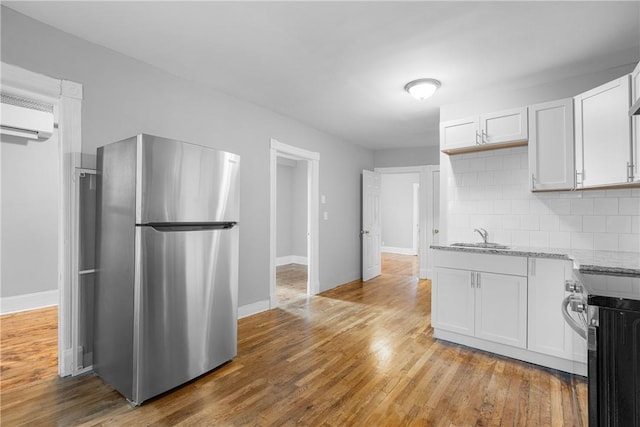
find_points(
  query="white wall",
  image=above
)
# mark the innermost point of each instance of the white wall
(418, 156)
(299, 206)
(291, 214)
(123, 97)
(29, 216)
(396, 211)
(284, 210)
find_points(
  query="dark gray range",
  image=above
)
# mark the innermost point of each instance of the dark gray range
(167, 263)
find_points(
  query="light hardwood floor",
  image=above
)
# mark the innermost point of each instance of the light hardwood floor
(360, 354)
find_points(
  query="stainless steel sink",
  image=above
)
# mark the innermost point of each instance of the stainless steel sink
(481, 245)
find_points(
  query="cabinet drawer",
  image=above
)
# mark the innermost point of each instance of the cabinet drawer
(490, 263)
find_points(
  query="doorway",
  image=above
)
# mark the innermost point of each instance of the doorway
(307, 178)
(291, 230)
(426, 207)
(65, 97)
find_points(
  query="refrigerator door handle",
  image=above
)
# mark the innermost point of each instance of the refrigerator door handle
(193, 226)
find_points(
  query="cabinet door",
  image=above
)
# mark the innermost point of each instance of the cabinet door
(459, 133)
(504, 126)
(452, 306)
(547, 328)
(551, 158)
(501, 309)
(603, 134)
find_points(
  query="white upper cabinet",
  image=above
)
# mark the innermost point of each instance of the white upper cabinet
(503, 127)
(551, 158)
(488, 131)
(603, 135)
(458, 134)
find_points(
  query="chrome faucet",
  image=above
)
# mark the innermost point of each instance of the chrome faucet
(484, 233)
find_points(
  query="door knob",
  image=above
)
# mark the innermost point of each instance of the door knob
(436, 231)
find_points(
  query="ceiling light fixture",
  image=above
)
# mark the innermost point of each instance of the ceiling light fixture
(422, 88)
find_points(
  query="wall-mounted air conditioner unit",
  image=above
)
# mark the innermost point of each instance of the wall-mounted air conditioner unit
(25, 118)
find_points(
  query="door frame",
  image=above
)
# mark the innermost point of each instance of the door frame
(431, 202)
(423, 211)
(279, 149)
(66, 98)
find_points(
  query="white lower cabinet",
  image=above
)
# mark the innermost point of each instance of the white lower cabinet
(453, 301)
(547, 330)
(501, 308)
(485, 305)
(507, 305)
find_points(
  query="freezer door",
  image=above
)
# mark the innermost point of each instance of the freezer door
(181, 182)
(186, 306)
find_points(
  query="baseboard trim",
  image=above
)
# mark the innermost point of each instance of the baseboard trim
(28, 302)
(291, 259)
(253, 308)
(399, 251)
(425, 273)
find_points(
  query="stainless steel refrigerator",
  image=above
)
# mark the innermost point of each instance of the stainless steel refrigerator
(167, 263)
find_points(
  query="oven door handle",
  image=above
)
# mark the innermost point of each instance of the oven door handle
(573, 323)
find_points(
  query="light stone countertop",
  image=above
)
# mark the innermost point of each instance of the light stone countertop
(586, 261)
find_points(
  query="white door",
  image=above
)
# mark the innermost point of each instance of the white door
(371, 254)
(501, 308)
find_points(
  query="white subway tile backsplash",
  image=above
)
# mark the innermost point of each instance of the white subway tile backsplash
(520, 238)
(608, 206)
(559, 206)
(549, 223)
(502, 206)
(629, 206)
(511, 222)
(539, 239)
(490, 189)
(538, 207)
(581, 240)
(594, 223)
(560, 239)
(520, 206)
(477, 165)
(619, 224)
(582, 207)
(495, 163)
(629, 243)
(570, 223)
(605, 241)
(530, 222)
(618, 193)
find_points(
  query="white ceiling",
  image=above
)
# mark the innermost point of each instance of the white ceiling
(341, 66)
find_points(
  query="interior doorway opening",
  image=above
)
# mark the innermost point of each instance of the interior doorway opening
(291, 230)
(294, 228)
(423, 211)
(399, 212)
